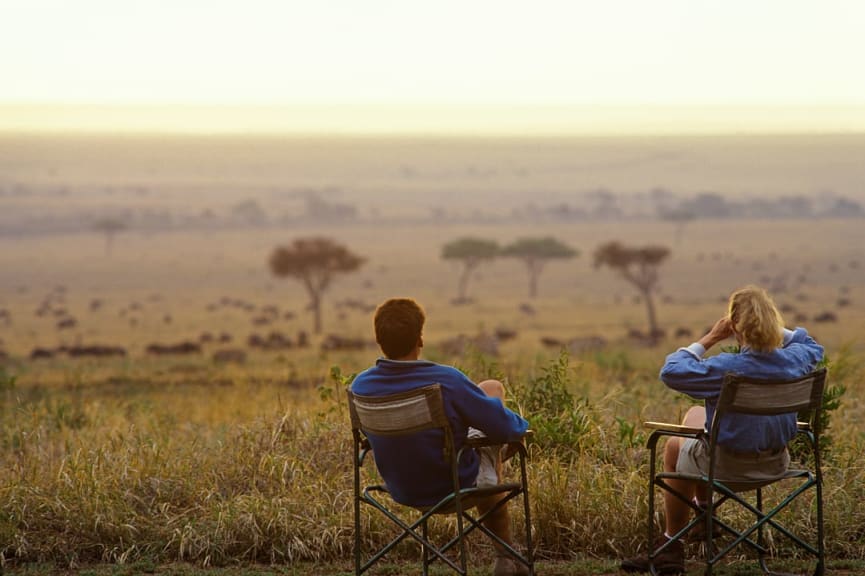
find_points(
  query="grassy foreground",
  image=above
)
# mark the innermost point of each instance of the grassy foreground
(179, 467)
(560, 568)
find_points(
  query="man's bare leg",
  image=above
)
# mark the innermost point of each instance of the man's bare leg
(498, 522)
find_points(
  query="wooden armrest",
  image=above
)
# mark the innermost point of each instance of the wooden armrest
(803, 426)
(667, 427)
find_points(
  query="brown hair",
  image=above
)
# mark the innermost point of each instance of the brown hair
(756, 319)
(398, 326)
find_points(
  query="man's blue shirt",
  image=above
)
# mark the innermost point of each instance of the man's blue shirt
(685, 371)
(413, 467)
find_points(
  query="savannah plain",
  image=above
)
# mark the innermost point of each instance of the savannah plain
(147, 462)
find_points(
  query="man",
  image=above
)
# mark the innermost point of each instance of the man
(413, 467)
(753, 447)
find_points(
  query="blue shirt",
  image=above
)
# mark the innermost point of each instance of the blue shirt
(685, 371)
(413, 467)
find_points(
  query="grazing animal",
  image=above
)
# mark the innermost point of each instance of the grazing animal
(96, 350)
(527, 309)
(551, 342)
(67, 323)
(505, 334)
(40, 353)
(826, 317)
(682, 332)
(179, 348)
(336, 342)
(302, 339)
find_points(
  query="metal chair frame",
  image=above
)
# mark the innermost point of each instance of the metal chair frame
(407, 413)
(744, 395)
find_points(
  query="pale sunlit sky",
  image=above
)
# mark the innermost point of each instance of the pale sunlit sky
(433, 65)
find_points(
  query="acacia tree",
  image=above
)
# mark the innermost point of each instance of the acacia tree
(314, 262)
(109, 227)
(472, 252)
(639, 266)
(535, 253)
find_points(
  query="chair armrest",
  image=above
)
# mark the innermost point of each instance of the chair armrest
(667, 427)
(482, 440)
(511, 447)
(518, 446)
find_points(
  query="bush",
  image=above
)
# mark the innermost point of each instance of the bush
(560, 421)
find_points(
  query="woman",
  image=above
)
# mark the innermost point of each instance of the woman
(752, 447)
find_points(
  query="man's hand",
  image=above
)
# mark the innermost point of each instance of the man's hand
(722, 330)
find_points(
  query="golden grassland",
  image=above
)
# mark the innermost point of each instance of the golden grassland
(809, 266)
(143, 459)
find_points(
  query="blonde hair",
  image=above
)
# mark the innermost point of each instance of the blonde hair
(756, 319)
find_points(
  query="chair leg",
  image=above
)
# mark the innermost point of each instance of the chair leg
(821, 551)
(357, 538)
(528, 516)
(761, 556)
(426, 560)
(462, 544)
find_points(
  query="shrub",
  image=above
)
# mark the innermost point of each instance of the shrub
(560, 421)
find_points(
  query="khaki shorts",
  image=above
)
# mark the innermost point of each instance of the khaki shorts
(694, 459)
(489, 457)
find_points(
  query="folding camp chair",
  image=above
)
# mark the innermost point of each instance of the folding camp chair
(409, 413)
(744, 395)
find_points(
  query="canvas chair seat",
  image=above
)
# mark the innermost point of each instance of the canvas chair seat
(739, 486)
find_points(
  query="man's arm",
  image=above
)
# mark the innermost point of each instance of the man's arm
(487, 414)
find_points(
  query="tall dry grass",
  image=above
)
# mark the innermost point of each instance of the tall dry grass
(152, 463)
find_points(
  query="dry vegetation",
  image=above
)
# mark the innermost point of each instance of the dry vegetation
(237, 451)
(178, 460)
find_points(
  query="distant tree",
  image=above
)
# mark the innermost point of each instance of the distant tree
(109, 227)
(320, 210)
(712, 205)
(472, 252)
(845, 208)
(680, 218)
(250, 212)
(314, 262)
(535, 253)
(661, 198)
(606, 204)
(639, 266)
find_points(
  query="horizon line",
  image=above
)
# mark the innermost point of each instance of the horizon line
(432, 120)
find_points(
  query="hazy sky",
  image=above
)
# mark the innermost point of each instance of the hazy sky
(349, 62)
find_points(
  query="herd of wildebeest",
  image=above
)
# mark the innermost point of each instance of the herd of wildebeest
(224, 347)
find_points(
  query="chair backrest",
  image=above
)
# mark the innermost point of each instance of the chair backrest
(745, 395)
(398, 414)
